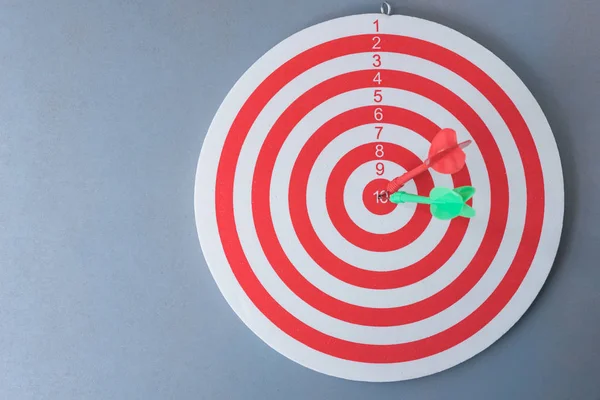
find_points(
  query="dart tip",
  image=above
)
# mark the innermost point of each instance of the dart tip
(464, 144)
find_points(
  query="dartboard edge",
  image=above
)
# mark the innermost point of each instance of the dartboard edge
(321, 270)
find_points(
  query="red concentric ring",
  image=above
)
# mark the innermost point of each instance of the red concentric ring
(305, 230)
(274, 252)
(533, 175)
(336, 208)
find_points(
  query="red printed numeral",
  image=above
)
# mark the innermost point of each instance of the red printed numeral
(377, 97)
(377, 62)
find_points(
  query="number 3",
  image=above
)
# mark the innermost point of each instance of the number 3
(377, 62)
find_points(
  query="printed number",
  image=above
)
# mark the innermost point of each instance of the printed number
(377, 62)
(377, 96)
(380, 167)
(382, 199)
(379, 151)
(378, 114)
(377, 78)
(377, 40)
(379, 129)
(376, 22)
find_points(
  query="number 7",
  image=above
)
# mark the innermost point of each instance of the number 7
(379, 128)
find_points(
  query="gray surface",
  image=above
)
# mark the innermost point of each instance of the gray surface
(104, 293)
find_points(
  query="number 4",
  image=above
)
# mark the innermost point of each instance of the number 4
(377, 78)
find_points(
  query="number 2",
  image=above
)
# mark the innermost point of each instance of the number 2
(377, 40)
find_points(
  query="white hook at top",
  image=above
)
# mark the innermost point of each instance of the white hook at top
(386, 8)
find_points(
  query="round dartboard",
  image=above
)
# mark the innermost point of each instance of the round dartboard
(315, 261)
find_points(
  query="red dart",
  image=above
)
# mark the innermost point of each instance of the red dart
(446, 156)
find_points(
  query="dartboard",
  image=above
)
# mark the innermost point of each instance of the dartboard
(315, 261)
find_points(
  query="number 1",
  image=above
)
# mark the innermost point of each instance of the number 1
(376, 22)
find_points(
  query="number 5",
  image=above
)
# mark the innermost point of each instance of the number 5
(377, 96)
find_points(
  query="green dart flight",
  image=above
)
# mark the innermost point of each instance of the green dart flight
(444, 203)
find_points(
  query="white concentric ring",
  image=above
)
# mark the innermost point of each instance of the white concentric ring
(322, 224)
(317, 276)
(358, 211)
(281, 101)
(284, 228)
(280, 340)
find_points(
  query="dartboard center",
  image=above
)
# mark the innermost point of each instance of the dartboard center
(376, 204)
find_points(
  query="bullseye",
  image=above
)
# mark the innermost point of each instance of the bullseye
(314, 129)
(339, 216)
(372, 199)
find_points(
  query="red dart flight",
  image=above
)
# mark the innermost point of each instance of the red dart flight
(446, 156)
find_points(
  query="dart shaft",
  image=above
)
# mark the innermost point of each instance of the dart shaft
(403, 197)
(396, 183)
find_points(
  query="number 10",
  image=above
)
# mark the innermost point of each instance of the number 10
(380, 197)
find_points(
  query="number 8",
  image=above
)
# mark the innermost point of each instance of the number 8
(379, 151)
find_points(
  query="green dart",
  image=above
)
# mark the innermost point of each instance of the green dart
(444, 203)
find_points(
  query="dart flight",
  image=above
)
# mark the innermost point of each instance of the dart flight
(446, 156)
(444, 203)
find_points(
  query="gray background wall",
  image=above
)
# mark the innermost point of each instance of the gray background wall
(104, 293)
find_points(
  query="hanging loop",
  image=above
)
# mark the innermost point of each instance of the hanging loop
(386, 8)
